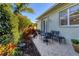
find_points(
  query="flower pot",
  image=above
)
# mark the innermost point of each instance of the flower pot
(76, 47)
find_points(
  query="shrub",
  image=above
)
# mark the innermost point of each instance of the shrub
(75, 41)
(8, 28)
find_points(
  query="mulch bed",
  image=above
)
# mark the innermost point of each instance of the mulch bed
(31, 50)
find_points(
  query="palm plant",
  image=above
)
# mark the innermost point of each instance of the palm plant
(20, 7)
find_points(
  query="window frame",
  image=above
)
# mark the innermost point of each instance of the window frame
(44, 24)
(68, 20)
(60, 19)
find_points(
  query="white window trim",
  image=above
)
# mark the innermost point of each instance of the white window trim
(68, 22)
(68, 18)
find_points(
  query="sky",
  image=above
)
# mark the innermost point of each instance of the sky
(39, 8)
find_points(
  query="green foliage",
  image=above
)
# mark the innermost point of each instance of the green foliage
(20, 7)
(16, 52)
(75, 41)
(23, 22)
(14, 22)
(5, 26)
(8, 24)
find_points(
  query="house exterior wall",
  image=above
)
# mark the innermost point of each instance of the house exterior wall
(39, 25)
(70, 32)
(67, 32)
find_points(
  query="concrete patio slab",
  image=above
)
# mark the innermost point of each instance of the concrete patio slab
(54, 48)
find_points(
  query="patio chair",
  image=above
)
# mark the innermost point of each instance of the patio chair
(46, 37)
(39, 31)
(55, 35)
(62, 39)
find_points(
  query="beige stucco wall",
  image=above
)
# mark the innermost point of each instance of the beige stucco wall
(67, 32)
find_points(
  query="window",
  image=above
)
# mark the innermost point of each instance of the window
(74, 15)
(70, 16)
(63, 17)
(43, 26)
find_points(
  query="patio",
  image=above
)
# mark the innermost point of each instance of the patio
(54, 48)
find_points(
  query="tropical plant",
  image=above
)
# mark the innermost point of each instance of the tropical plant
(8, 27)
(10, 22)
(5, 26)
(22, 7)
(23, 20)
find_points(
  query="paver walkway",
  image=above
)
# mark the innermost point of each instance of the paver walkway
(54, 49)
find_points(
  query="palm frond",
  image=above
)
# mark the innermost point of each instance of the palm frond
(29, 10)
(20, 7)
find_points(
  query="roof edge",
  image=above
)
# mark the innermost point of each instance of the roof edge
(47, 11)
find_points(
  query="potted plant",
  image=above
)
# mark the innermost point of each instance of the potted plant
(75, 44)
